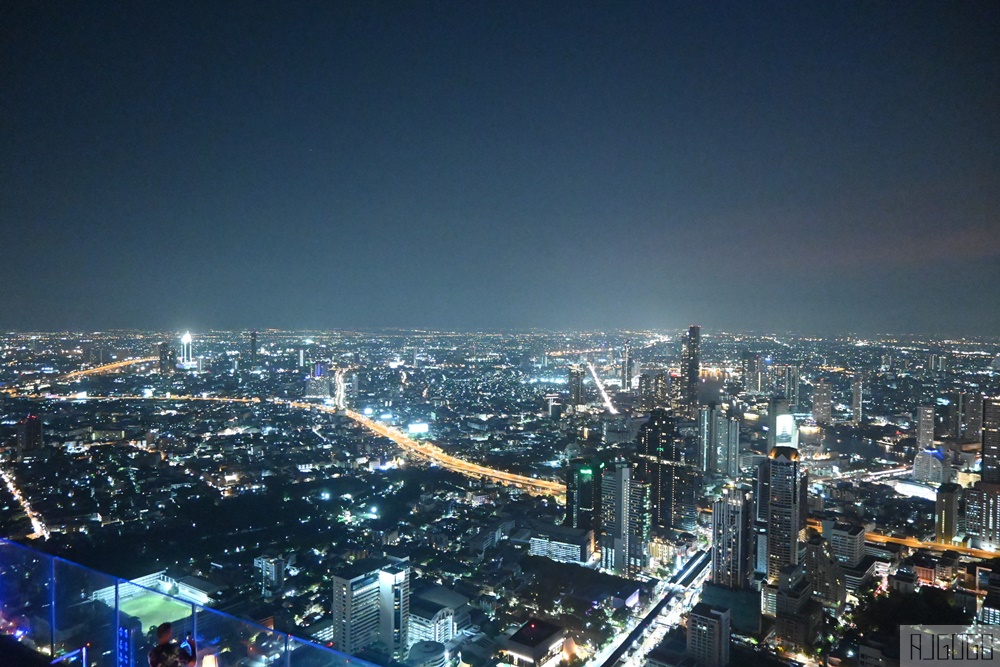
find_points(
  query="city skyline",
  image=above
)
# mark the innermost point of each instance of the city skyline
(790, 168)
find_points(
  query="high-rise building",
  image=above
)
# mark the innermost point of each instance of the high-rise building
(691, 371)
(932, 465)
(925, 427)
(253, 349)
(719, 441)
(626, 515)
(583, 494)
(825, 575)
(394, 609)
(822, 408)
(732, 538)
(647, 397)
(965, 416)
(786, 383)
(751, 368)
(356, 607)
(168, 358)
(786, 510)
(982, 514)
(946, 513)
(709, 635)
(272, 573)
(798, 618)
(847, 543)
(29, 435)
(991, 440)
(576, 393)
(782, 431)
(674, 483)
(626, 375)
(857, 399)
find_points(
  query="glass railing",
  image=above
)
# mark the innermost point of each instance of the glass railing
(78, 616)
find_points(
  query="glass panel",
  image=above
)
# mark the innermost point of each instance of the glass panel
(236, 643)
(25, 590)
(85, 613)
(140, 610)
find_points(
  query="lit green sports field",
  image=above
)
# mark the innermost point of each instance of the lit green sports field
(152, 609)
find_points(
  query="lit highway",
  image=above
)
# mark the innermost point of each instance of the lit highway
(37, 524)
(601, 391)
(914, 543)
(107, 368)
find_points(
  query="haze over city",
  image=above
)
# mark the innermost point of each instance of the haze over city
(774, 166)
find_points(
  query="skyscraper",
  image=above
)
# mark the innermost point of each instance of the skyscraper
(786, 383)
(822, 409)
(925, 427)
(168, 358)
(394, 609)
(857, 399)
(719, 441)
(751, 372)
(576, 394)
(583, 494)
(626, 376)
(965, 416)
(253, 349)
(647, 397)
(187, 356)
(691, 371)
(709, 635)
(356, 607)
(786, 510)
(825, 575)
(782, 431)
(626, 514)
(674, 483)
(991, 440)
(732, 538)
(946, 513)
(29, 435)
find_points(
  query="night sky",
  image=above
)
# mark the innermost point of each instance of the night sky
(806, 166)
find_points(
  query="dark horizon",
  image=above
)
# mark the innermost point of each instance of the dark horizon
(778, 167)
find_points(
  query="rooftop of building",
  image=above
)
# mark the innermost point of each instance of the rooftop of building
(535, 632)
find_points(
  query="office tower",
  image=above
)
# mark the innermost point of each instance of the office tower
(991, 441)
(782, 431)
(661, 389)
(719, 441)
(825, 575)
(857, 399)
(187, 358)
(982, 514)
(168, 358)
(625, 520)
(847, 542)
(394, 609)
(762, 490)
(965, 416)
(660, 463)
(708, 635)
(786, 510)
(691, 371)
(822, 409)
(29, 435)
(786, 383)
(626, 375)
(798, 618)
(751, 370)
(925, 426)
(302, 357)
(647, 397)
(732, 538)
(583, 494)
(576, 395)
(253, 349)
(356, 607)
(946, 513)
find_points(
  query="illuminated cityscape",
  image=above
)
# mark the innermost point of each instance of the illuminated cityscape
(505, 334)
